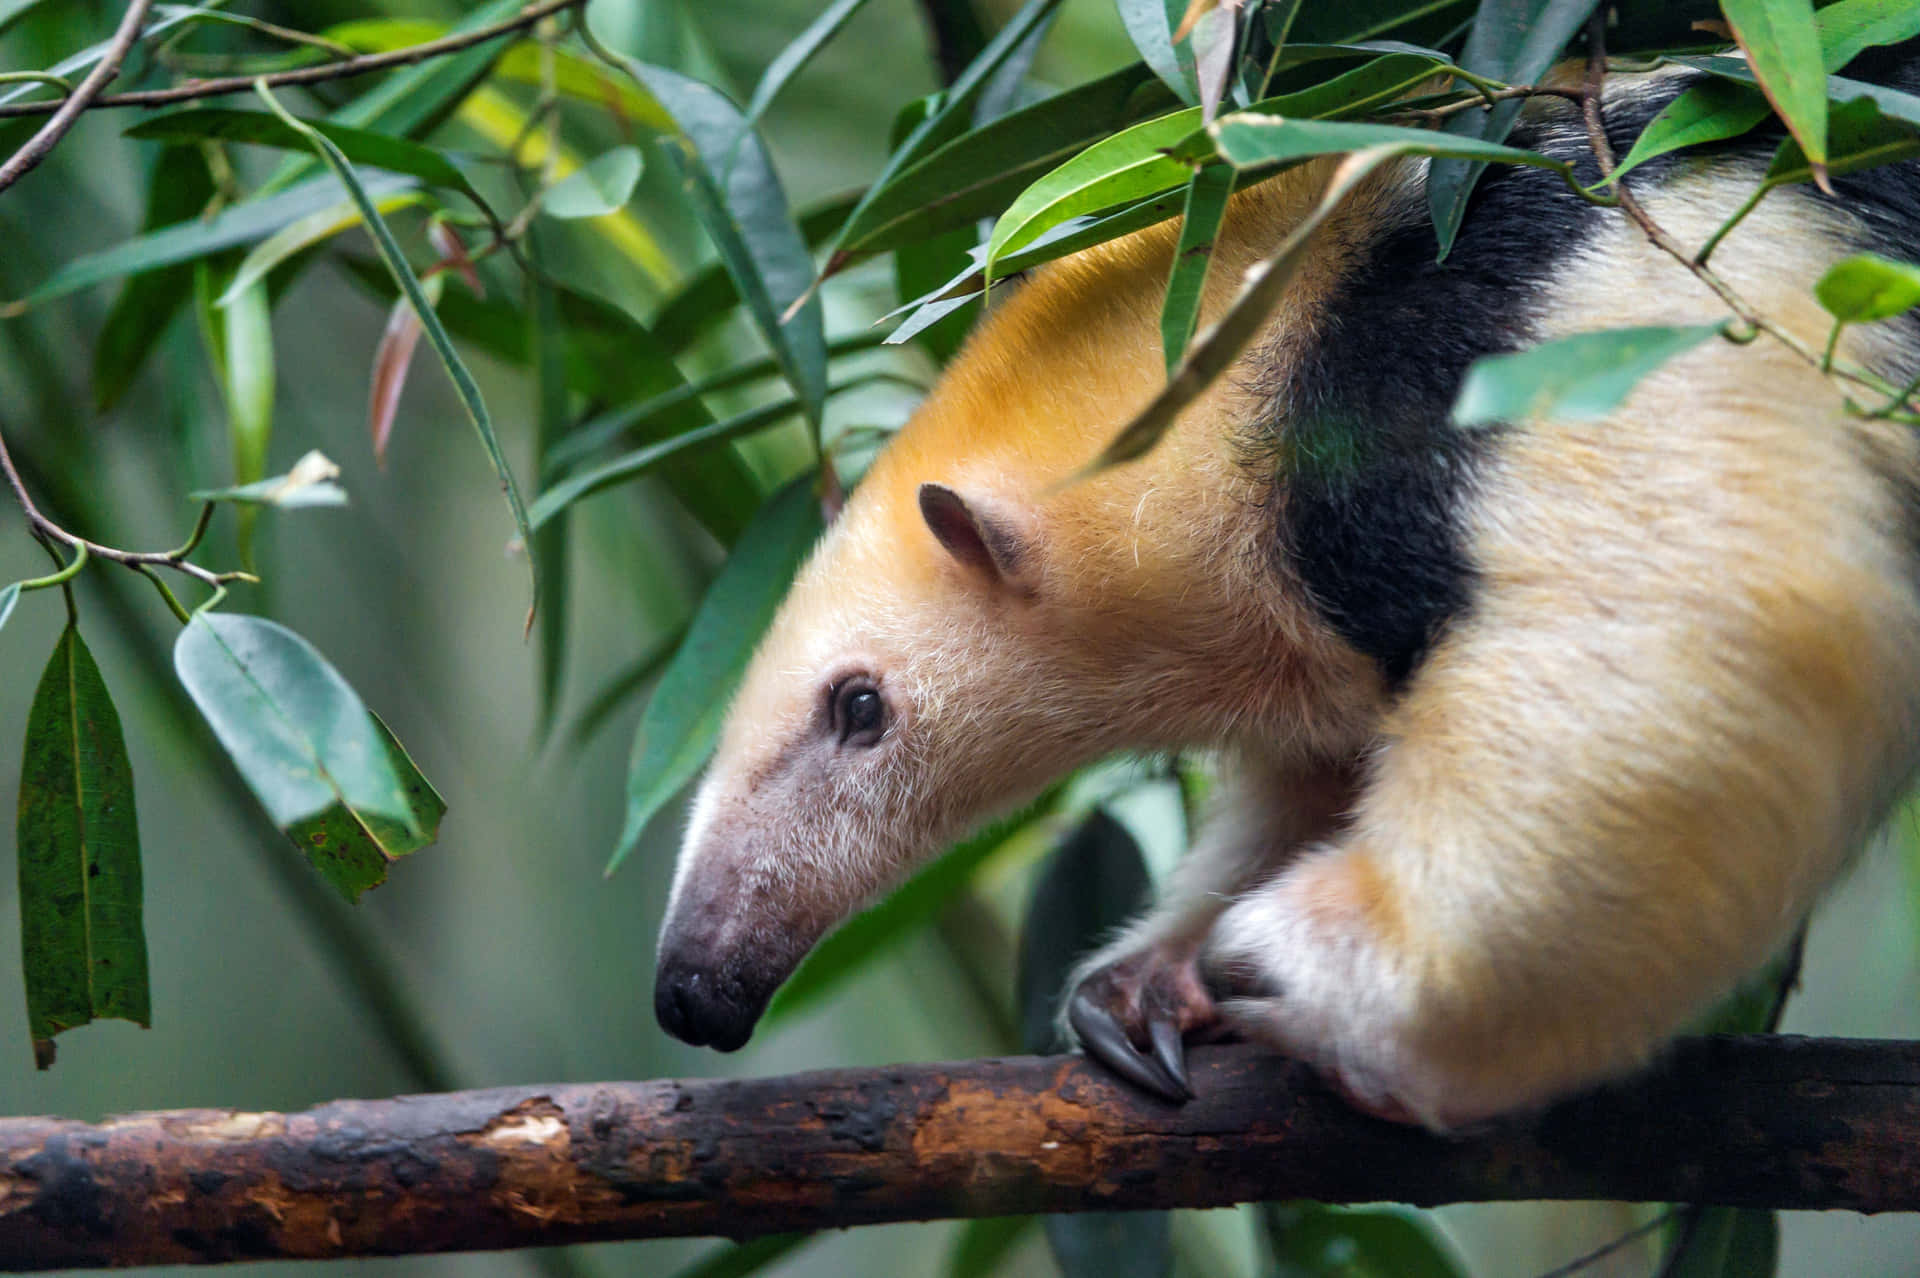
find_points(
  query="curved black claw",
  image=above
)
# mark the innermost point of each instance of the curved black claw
(1107, 1042)
(1170, 1053)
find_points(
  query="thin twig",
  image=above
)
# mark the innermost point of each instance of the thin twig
(307, 75)
(143, 561)
(1601, 1252)
(68, 109)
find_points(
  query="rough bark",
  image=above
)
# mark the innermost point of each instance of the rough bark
(1778, 1122)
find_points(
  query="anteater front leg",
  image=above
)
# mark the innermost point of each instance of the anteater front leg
(1137, 999)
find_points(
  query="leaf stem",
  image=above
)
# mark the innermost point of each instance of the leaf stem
(196, 89)
(61, 577)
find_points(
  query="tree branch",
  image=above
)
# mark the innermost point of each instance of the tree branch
(195, 89)
(1762, 1122)
(68, 109)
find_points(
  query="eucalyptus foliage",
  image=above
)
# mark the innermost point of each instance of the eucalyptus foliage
(446, 181)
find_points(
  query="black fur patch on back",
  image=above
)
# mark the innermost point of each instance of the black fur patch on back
(1372, 475)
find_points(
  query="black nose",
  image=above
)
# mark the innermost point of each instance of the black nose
(696, 1007)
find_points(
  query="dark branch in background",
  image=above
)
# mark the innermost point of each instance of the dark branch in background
(1758, 1122)
(958, 36)
(303, 75)
(67, 110)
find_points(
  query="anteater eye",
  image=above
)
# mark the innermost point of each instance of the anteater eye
(859, 712)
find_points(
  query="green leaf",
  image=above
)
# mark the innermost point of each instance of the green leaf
(576, 487)
(74, 66)
(298, 735)
(1891, 103)
(1851, 27)
(463, 383)
(737, 196)
(1309, 1240)
(1783, 48)
(1186, 287)
(1514, 41)
(955, 113)
(1576, 378)
(907, 908)
(981, 1246)
(239, 343)
(188, 241)
(1149, 25)
(262, 128)
(788, 62)
(309, 483)
(597, 188)
(84, 946)
(177, 191)
(1727, 1242)
(353, 849)
(683, 719)
(9, 596)
(978, 173)
(1868, 287)
(1250, 141)
(1711, 111)
(709, 294)
(623, 684)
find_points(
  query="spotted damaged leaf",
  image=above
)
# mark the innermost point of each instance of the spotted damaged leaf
(83, 942)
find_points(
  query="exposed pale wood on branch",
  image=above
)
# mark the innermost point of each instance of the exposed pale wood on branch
(1781, 1122)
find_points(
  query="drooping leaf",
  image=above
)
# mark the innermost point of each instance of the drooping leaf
(976, 174)
(1149, 25)
(177, 191)
(352, 849)
(1783, 48)
(1250, 140)
(912, 905)
(738, 198)
(1867, 287)
(392, 358)
(597, 188)
(9, 596)
(298, 236)
(708, 295)
(1577, 378)
(1859, 136)
(242, 356)
(682, 721)
(955, 113)
(464, 385)
(1206, 205)
(262, 128)
(311, 482)
(1213, 48)
(1851, 27)
(788, 62)
(1514, 41)
(81, 933)
(298, 735)
(1894, 104)
(927, 264)
(1711, 111)
(1311, 1240)
(190, 240)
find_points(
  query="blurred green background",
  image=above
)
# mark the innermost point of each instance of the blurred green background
(520, 962)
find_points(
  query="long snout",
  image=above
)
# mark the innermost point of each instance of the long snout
(705, 1003)
(724, 949)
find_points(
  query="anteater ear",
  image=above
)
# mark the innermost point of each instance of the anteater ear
(983, 542)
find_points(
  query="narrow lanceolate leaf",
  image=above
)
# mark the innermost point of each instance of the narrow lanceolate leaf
(597, 188)
(1868, 287)
(1576, 378)
(978, 173)
(246, 368)
(1311, 1238)
(1150, 27)
(392, 359)
(296, 237)
(1216, 349)
(190, 240)
(1783, 47)
(682, 721)
(1186, 286)
(1711, 111)
(303, 742)
(909, 907)
(9, 596)
(1851, 27)
(311, 482)
(262, 128)
(463, 383)
(1251, 141)
(352, 849)
(788, 62)
(1514, 41)
(1213, 45)
(84, 946)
